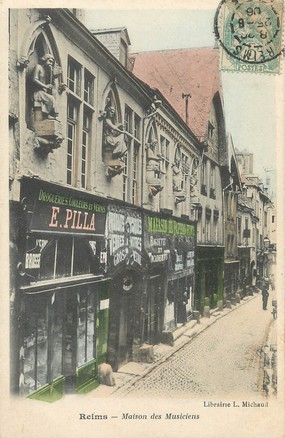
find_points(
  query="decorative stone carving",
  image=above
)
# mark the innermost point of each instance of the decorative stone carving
(22, 63)
(194, 186)
(153, 171)
(178, 190)
(48, 129)
(49, 135)
(114, 142)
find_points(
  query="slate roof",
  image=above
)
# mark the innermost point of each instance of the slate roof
(177, 71)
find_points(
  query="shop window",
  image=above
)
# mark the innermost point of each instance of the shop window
(56, 337)
(42, 341)
(86, 328)
(47, 261)
(83, 256)
(35, 346)
(66, 257)
(63, 258)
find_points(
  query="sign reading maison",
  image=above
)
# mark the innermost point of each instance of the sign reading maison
(169, 226)
(170, 239)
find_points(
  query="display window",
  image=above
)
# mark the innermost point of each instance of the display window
(86, 327)
(49, 258)
(42, 354)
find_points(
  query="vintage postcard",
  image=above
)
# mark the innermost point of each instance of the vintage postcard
(142, 241)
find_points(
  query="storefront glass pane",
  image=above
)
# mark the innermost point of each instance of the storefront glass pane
(82, 257)
(90, 325)
(63, 260)
(81, 339)
(35, 345)
(56, 336)
(47, 261)
(86, 327)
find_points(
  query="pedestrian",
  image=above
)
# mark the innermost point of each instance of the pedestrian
(265, 295)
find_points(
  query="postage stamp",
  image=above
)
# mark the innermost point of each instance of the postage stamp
(250, 35)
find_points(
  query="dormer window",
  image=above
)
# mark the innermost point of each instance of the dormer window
(123, 57)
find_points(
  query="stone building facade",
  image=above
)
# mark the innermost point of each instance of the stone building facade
(99, 224)
(123, 192)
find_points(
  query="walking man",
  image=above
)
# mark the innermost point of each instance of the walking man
(265, 295)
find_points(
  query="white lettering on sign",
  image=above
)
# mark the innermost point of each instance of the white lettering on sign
(190, 259)
(74, 220)
(161, 241)
(33, 261)
(116, 222)
(116, 241)
(41, 243)
(136, 242)
(154, 258)
(93, 246)
(179, 263)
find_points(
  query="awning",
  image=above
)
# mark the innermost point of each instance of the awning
(63, 283)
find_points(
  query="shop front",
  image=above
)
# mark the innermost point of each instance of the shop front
(126, 269)
(170, 246)
(209, 276)
(63, 292)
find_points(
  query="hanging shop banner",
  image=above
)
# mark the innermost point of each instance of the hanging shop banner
(124, 229)
(169, 240)
(56, 209)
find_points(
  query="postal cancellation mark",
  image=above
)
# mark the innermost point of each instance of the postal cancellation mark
(250, 32)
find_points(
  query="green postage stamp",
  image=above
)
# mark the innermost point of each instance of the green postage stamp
(250, 35)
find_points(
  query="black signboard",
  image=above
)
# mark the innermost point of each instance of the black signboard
(169, 240)
(57, 209)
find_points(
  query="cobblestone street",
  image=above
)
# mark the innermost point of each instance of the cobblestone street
(225, 359)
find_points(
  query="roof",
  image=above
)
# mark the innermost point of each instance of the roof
(112, 30)
(177, 71)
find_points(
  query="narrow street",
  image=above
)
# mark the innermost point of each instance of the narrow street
(225, 359)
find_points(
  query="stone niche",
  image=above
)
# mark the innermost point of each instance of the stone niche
(153, 171)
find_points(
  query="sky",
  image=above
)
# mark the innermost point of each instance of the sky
(250, 99)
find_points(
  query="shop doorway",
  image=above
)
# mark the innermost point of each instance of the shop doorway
(126, 319)
(153, 309)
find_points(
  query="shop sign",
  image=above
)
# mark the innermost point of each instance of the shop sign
(124, 228)
(57, 209)
(170, 240)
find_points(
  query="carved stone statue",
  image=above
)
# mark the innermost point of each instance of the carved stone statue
(194, 191)
(43, 80)
(48, 129)
(114, 135)
(180, 194)
(177, 176)
(153, 169)
(153, 160)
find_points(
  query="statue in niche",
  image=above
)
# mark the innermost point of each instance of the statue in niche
(178, 182)
(153, 169)
(114, 135)
(48, 129)
(114, 142)
(177, 176)
(43, 78)
(194, 191)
